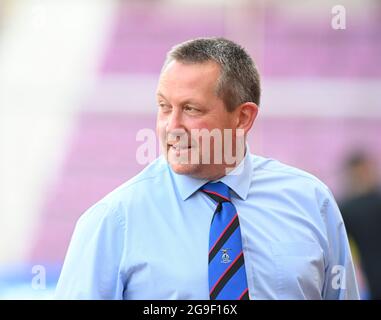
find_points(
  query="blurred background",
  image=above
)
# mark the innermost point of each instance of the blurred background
(77, 82)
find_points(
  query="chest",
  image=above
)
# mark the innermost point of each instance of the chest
(167, 254)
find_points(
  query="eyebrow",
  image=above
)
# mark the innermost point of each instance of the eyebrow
(161, 95)
(190, 101)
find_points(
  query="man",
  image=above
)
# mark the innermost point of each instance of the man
(193, 226)
(361, 210)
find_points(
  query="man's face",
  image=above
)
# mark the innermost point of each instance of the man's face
(187, 100)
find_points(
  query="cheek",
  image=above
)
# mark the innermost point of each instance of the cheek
(216, 122)
(161, 129)
(161, 121)
(209, 124)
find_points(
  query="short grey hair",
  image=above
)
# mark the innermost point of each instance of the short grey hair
(239, 81)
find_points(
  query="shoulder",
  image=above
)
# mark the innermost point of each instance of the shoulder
(155, 173)
(289, 180)
(277, 169)
(114, 204)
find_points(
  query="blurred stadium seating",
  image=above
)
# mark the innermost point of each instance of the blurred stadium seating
(332, 105)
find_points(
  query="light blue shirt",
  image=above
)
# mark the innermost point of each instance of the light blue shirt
(149, 238)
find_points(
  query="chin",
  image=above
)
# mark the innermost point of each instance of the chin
(197, 171)
(186, 169)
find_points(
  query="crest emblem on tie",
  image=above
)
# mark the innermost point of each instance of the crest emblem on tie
(225, 258)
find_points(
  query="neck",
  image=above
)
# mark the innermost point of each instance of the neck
(222, 170)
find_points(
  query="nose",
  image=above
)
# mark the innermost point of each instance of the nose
(175, 130)
(175, 121)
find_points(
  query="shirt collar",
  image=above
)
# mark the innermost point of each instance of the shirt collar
(238, 180)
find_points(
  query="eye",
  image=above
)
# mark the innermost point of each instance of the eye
(190, 109)
(165, 107)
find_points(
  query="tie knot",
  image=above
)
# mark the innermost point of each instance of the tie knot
(218, 191)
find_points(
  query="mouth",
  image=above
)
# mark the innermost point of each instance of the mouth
(178, 148)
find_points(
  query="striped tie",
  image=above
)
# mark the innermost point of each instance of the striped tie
(227, 274)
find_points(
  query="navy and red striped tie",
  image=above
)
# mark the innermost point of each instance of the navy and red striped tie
(227, 274)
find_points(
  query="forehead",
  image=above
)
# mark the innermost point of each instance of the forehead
(192, 78)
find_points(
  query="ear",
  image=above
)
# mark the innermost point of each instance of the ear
(246, 115)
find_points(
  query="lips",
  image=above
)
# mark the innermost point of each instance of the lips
(178, 150)
(179, 147)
